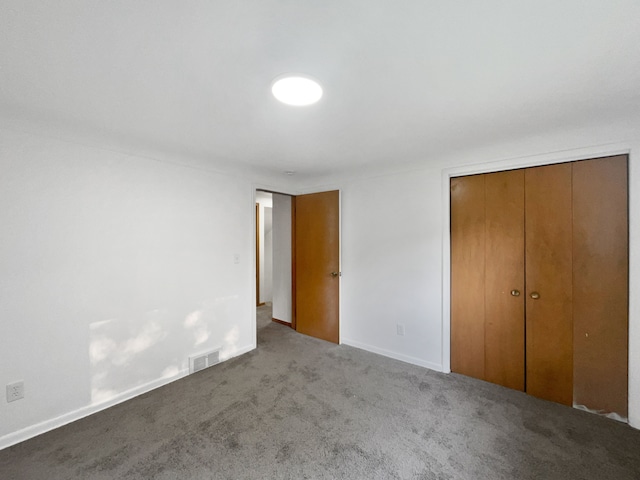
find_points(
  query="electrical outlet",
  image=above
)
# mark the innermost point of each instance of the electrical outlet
(400, 329)
(15, 391)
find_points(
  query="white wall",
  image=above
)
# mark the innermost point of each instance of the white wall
(391, 267)
(265, 202)
(395, 234)
(113, 270)
(266, 292)
(282, 257)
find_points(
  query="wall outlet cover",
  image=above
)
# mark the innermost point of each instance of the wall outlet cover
(15, 391)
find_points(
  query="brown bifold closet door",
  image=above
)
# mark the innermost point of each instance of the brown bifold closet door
(600, 284)
(487, 277)
(467, 275)
(504, 279)
(549, 276)
(539, 281)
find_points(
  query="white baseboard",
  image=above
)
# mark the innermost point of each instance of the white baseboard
(239, 352)
(43, 427)
(397, 356)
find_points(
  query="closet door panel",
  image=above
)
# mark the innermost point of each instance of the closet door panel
(467, 275)
(504, 279)
(600, 284)
(549, 326)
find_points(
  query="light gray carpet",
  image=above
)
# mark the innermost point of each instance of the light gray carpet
(301, 408)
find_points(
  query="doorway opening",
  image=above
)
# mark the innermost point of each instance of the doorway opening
(274, 297)
(298, 262)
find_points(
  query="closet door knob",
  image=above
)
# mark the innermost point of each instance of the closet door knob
(535, 295)
(515, 293)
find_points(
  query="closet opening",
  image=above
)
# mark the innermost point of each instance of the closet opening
(539, 281)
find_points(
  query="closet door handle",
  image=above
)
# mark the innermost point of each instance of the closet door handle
(535, 295)
(515, 293)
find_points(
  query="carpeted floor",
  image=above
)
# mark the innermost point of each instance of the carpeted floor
(301, 408)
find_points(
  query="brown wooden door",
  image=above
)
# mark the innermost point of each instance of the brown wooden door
(317, 280)
(549, 330)
(487, 265)
(467, 275)
(504, 279)
(600, 284)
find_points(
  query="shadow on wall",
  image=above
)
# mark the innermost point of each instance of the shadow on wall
(126, 353)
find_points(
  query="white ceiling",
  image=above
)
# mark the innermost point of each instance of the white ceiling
(403, 80)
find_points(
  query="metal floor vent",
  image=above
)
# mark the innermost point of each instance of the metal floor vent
(204, 360)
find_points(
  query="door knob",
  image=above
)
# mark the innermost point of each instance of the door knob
(515, 293)
(334, 274)
(535, 295)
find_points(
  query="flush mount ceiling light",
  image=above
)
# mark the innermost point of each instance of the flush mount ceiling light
(296, 90)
